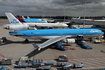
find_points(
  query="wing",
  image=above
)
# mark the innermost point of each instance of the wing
(87, 22)
(49, 42)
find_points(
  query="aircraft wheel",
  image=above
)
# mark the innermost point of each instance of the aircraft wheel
(26, 40)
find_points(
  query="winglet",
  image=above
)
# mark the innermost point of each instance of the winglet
(35, 46)
(28, 17)
(79, 18)
(23, 17)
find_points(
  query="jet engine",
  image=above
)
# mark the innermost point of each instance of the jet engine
(16, 27)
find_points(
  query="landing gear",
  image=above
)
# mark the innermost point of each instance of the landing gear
(26, 40)
(80, 38)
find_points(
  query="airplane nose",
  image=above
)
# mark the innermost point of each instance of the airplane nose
(65, 25)
(102, 32)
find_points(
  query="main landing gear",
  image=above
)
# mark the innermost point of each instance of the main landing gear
(26, 40)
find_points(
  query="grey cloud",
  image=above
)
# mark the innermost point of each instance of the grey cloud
(39, 7)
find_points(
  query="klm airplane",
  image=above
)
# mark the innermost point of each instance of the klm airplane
(53, 35)
(30, 20)
(15, 24)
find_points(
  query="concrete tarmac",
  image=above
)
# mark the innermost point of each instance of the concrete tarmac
(93, 59)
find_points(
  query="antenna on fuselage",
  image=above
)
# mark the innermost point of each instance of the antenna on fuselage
(50, 10)
(84, 13)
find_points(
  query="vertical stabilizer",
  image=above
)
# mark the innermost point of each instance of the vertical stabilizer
(28, 17)
(92, 18)
(20, 18)
(23, 17)
(12, 19)
(79, 18)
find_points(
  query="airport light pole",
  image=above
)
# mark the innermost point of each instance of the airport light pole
(50, 8)
(64, 13)
(84, 13)
(42, 12)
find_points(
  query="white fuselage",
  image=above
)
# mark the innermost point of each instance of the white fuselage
(100, 20)
(47, 24)
(86, 19)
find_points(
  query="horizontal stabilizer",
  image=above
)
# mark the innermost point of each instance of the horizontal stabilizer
(35, 46)
(23, 17)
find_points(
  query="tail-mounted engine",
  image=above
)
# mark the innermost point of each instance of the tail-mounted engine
(16, 27)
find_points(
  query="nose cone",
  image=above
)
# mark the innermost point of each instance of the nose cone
(102, 32)
(65, 25)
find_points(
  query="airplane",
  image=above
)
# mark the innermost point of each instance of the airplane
(50, 20)
(103, 20)
(14, 21)
(30, 20)
(43, 19)
(96, 24)
(34, 18)
(86, 19)
(92, 24)
(62, 21)
(53, 35)
(75, 18)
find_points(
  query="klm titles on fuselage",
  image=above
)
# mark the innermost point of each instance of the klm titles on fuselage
(14, 21)
(92, 31)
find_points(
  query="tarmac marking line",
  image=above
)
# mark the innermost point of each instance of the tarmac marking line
(79, 58)
(94, 67)
(14, 64)
(9, 67)
(9, 37)
(89, 64)
(85, 58)
(53, 68)
(22, 69)
(93, 62)
(32, 69)
(99, 61)
(78, 62)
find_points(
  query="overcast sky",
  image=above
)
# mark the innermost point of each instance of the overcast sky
(57, 7)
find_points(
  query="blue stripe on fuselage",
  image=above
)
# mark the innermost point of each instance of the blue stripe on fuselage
(58, 32)
(34, 21)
